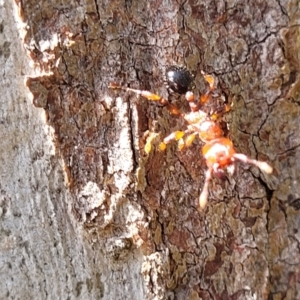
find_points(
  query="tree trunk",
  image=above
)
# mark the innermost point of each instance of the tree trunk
(86, 212)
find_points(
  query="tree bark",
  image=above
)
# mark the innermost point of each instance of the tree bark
(86, 212)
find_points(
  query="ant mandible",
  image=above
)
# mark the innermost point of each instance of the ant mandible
(218, 151)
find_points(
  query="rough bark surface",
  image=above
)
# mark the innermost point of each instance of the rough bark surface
(93, 216)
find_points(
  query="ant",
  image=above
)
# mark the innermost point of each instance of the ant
(218, 151)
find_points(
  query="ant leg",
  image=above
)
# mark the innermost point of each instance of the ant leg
(263, 166)
(150, 96)
(178, 136)
(211, 82)
(145, 94)
(174, 136)
(189, 96)
(204, 194)
(189, 140)
(216, 115)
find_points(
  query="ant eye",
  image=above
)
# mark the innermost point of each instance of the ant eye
(178, 79)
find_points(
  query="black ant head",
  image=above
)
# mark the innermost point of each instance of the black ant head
(178, 79)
